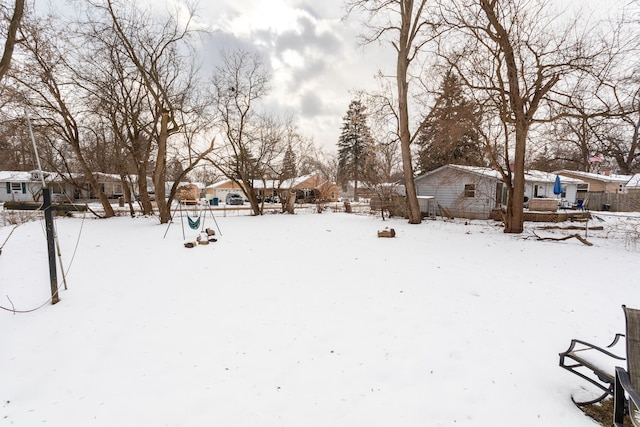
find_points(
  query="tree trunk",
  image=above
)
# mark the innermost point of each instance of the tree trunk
(256, 206)
(126, 189)
(11, 39)
(405, 139)
(515, 204)
(88, 174)
(161, 165)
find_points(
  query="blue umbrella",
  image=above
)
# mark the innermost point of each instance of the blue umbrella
(557, 187)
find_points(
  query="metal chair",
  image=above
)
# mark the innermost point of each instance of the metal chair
(626, 395)
(594, 364)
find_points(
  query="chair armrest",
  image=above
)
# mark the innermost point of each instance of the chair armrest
(615, 340)
(588, 346)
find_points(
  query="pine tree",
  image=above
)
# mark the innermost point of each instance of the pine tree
(451, 134)
(289, 169)
(354, 145)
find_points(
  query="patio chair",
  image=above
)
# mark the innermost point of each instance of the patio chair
(594, 364)
(626, 397)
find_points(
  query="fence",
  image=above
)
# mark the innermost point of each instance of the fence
(616, 202)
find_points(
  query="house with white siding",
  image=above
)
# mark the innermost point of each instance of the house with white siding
(18, 186)
(473, 192)
(22, 186)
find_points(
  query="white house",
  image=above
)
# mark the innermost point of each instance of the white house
(472, 192)
(540, 184)
(18, 186)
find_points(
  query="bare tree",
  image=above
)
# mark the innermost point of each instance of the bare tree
(158, 52)
(512, 54)
(252, 141)
(54, 99)
(409, 26)
(11, 36)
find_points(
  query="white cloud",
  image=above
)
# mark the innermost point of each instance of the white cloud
(312, 54)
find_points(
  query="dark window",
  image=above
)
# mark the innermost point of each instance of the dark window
(469, 190)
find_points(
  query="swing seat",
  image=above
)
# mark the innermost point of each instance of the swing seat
(194, 224)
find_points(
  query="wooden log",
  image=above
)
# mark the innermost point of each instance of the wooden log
(387, 232)
(34, 206)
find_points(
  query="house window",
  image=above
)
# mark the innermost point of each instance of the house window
(17, 187)
(469, 190)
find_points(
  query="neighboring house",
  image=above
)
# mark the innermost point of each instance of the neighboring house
(19, 187)
(540, 184)
(633, 185)
(597, 183)
(62, 190)
(267, 188)
(473, 192)
(310, 188)
(221, 189)
(110, 185)
(27, 187)
(307, 187)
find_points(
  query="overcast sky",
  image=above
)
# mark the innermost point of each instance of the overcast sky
(312, 53)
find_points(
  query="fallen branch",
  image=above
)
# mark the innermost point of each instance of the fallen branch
(571, 227)
(558, 239)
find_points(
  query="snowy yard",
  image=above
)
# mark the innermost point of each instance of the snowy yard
(306, 320)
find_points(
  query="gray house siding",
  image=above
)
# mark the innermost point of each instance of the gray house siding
(462, 193)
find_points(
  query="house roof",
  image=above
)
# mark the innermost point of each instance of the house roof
(476, 170)
(634, 182)
(274, 183)
(199, 185)
(295, 182)
(15, 176)
(614, 178)
(267, 184)
(549, 177)
(529, 176)
(219, 183)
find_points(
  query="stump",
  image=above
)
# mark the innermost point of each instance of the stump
(387, 232)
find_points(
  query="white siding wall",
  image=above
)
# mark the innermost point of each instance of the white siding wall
(546, 190)
(13, 191)
(448, 187)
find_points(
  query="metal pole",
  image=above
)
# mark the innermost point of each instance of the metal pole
(51, 248)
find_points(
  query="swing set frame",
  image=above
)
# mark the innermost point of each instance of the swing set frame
(194, 224)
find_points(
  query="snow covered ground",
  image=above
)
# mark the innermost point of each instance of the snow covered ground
(306, 320)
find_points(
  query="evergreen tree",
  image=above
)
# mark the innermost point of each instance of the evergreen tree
(289, 169)
(354, 145)
(451, 135)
